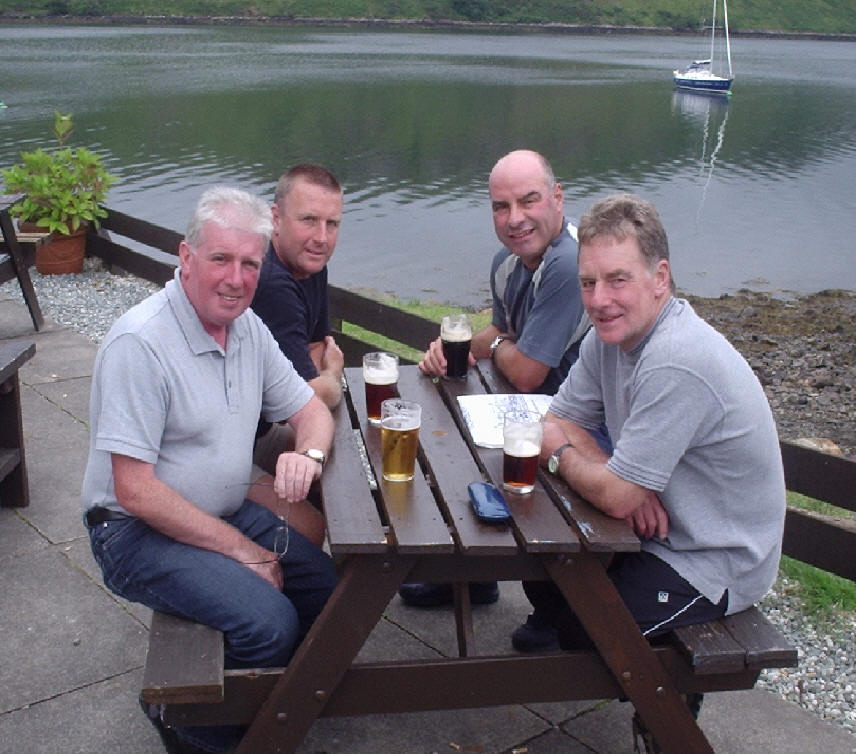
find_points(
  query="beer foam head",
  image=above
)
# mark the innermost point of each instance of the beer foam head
(456, 333)
(521, 447)
(383, 371)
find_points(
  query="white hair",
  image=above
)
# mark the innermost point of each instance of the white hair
(230, 208)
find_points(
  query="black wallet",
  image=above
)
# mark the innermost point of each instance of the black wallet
(488, 503)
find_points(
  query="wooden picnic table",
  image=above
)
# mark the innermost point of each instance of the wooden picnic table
(425, 530)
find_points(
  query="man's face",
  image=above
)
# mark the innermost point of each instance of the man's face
(220, 275)
(306, 229)
(527, 211)
(621, 294)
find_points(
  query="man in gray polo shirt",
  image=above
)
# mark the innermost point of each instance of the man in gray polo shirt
(696, 466)
(178, 386)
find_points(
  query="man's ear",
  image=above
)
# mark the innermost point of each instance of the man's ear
(183, 252)
(663, 274)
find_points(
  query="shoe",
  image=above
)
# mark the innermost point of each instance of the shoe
(169, 737)
(536, 635)
(418, 594)
(640, 732)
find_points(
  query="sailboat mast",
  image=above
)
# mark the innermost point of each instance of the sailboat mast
(727, 40)
(712, 35)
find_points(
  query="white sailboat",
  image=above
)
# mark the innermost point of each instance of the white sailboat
(699, 74)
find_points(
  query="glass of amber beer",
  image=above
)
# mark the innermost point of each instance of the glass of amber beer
(399, 437)
(521, 444)
(456, 332)
(380, 375)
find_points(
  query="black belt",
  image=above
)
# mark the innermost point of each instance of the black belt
(98, 515)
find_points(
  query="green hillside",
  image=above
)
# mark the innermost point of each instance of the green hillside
(819, 16)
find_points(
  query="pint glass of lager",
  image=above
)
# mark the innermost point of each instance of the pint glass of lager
(399, 437)
(456, 332)
(380, 375)
(521, 444)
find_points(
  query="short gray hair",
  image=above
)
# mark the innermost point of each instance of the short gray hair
(622, 216)
(229, 208)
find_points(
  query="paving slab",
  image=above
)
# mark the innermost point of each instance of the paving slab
(56, 446)
(103, 717)
(60, 631)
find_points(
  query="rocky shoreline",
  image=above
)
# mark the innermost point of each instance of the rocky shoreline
(804, 353)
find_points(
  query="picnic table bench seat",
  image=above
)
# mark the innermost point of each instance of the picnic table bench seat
(184, 666)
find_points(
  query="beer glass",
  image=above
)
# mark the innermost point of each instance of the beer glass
(380, 375)
(456, 332)
(399, 437)
(521, 445)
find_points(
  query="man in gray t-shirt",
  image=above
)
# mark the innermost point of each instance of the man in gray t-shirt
(696, 467)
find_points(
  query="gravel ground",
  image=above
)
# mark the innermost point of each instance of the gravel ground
(804, 354)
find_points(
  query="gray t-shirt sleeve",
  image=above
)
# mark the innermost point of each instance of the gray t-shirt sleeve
(669, 409)
(580, 397)
(134, 400)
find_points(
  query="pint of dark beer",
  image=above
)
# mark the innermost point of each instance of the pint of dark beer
(399, 438)
(456, 332)
(521, 445)
(380, 375)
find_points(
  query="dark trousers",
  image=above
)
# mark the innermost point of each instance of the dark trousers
(657, 597)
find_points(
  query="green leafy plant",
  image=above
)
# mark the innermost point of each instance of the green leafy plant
(64, 188)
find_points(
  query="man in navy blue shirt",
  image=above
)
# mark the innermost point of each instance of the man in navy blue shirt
(291, 299)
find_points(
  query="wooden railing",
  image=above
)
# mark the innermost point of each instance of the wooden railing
(827, 542)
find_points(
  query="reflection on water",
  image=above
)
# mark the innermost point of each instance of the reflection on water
(412, 123)
(707, 109)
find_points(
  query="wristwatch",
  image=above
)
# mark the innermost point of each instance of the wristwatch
(315, 455)
(495, 344)
(553, 460)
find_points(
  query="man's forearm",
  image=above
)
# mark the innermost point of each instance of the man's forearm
(328, 387)
(145, 496)
(524, 373)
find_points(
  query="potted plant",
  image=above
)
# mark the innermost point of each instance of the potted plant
(63, 191)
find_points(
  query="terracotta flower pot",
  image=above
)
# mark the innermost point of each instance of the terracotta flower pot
(62, 254)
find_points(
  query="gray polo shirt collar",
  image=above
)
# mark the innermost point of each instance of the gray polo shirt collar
(194, 333)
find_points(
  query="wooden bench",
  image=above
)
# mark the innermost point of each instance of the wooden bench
(185, 664)
(14, 487)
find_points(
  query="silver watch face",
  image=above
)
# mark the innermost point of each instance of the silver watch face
(315, 455)
(552, 464)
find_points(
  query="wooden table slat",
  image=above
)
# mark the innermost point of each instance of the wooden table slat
(452, 468)
(415, 521)
(353, 522)
(538, 522)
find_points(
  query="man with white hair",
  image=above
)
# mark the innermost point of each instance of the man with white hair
(178, 386)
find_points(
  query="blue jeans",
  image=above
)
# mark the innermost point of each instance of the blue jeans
(261, 626)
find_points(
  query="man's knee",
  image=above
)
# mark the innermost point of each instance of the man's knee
(267, 638)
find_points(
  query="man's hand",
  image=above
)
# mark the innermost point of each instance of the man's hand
(269, 569)
(332, 358)
(295, 472)
(649, 519)
(434, 362)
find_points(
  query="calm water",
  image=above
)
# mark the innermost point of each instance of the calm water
(757, 192)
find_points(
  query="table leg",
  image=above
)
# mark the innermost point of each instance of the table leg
(463, 618)
(366, 586)
(593, 597)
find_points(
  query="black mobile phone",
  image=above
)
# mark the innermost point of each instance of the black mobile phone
(488, 503)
